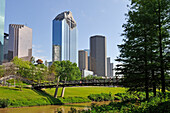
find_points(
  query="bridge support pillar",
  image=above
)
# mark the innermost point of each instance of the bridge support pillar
(56, 90)
(62, 94)
(55, 94)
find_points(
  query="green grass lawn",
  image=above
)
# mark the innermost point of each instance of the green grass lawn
(31, 97)
(26, 97)
(85, 91)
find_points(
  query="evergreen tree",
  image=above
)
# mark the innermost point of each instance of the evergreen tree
(143, 56)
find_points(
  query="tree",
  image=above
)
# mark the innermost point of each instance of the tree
(142, 52)
(2, 71)
(22, 68)
(65, 69)
(40, 72)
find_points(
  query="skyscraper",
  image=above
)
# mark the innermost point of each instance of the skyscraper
(5, 48)
(83, 60)
(98, 59)
(109, 68)
(65, 38)
(88, 52)
(20, 42)
(2, 18)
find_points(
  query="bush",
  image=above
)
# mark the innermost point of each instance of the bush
(126, 97)
(157, 104)
(100, 97)
(4, 103)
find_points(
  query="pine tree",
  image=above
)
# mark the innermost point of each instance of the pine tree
(144, 53)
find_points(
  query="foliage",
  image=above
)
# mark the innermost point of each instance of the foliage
(132, 96)
(65, 69)
(144, 59)
(4, 103)
(2, 71)
(101, 97)
(29, 70)
(90, 77)
(40, 72)
(23, 66)
(157, 104)
(11, 82)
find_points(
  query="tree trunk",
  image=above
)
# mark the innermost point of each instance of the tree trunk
(153, 83)
(160, 47)
(146, 71)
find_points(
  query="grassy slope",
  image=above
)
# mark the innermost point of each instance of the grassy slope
(85, 91)
(30, 97)
(26, 97)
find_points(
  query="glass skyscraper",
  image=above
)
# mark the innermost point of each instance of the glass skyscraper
(2, 17)
(65, 37)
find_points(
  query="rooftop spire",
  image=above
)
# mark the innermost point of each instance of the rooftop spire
(69, 18)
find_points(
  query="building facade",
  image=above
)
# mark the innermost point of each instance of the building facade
(88, 52)
(83, 60)
(65, 37)
(86, 73)
(20, 42)
(98, 58)
(5, 48)
(109, 68)
(2, 18)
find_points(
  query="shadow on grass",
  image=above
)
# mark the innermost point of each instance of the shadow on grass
(53, 101)
(88, 106)
(160, 108)
(11, 88)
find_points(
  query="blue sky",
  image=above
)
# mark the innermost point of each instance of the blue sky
(102, 17)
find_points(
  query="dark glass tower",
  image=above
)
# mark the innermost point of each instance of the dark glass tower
(98, 55)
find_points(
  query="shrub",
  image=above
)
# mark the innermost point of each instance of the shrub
(100, 97)
(4, 103)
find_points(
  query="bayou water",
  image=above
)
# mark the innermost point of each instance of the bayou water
(50, 108)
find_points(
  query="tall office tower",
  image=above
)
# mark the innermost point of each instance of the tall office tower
(2, 18)
(108, 67)
(20, 42)
(83, 60)
(65, 38)
(5, 49)
(98, 59)
(88, 52)
(111, 69)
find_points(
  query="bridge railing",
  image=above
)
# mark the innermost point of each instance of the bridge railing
(79, 82)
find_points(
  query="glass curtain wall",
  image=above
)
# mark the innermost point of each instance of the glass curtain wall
(2, 17)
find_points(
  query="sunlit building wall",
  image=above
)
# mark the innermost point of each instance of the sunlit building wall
(20, 42)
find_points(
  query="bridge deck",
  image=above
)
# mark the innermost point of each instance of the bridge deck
(103, 82)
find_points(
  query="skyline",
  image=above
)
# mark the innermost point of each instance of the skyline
(88, 20)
